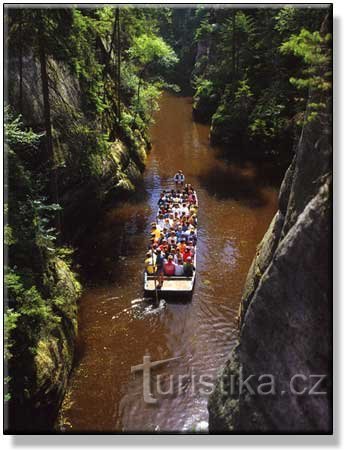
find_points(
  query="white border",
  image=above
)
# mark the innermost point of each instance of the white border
(340, 439)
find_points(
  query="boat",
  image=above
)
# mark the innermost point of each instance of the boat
(175, 285)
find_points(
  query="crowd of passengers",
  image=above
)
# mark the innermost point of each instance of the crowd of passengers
(173, 239)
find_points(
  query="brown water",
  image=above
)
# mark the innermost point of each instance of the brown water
(118, 327)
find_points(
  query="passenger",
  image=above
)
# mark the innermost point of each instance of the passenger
(179, 233)
(187, 232)
(151, 243)
(193, 210)
(184, 210)
(182, 246)
(179, 178)
(177, 255)
(177, 197)
(172, 238)
(150, 263)
(155, 232)
(160, 221)
(161, 200)
(179, 268)
(188, 267)
(169, 266)
(192, 198)
(162, 244)
(176, 208)
(173, 252)
(193, 237)
(177, 223)
(191, 241)
(187, 254)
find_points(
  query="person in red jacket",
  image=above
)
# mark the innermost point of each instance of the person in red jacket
(169, 267)
(187, 254)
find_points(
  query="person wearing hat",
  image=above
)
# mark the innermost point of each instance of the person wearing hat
(187, 254)
(179, 178)
(182, 245)
(155, 232)
(188, 267)
(150, 263)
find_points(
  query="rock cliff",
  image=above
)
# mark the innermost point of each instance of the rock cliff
(285, 314)
(97, 158)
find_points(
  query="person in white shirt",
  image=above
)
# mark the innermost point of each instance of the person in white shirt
(176, 209)
(172, 238)
(179, 178)
(179, 268)
(185, 210)
(160, 221)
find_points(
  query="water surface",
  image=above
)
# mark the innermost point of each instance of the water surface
(116, 328)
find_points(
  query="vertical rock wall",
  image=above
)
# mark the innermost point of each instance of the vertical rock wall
(285, 327)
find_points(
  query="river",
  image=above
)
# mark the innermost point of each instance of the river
(117, 327)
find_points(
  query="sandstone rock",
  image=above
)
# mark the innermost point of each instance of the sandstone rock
(286, 305)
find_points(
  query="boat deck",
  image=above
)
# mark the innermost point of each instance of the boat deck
(170, 284)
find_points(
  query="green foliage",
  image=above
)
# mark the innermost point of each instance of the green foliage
(258, 65)
(10, 324)
(285, 20)
(28, 317)
(204, 30)
(147, 49)
(243, 92)
(14, 134)
(92, 113)
(204, 88)
(8, 235)
(30, 239)
(313, 49)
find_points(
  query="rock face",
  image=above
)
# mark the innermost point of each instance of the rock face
(285, 319)
(55, 350)
(114, 168)
(41, 375)
(79, 139)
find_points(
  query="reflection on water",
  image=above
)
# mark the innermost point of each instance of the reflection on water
(118, 326)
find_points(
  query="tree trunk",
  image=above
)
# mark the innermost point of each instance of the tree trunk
(20, 102)
(118, 63)
(47, 116)
(138, 102)
(234, 44)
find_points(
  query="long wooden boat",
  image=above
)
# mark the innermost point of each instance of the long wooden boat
(172, 285)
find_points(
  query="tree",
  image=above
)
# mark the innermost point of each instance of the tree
(146, 52)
